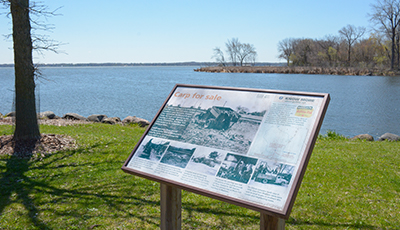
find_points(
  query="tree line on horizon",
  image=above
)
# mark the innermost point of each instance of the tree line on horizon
(350, 47)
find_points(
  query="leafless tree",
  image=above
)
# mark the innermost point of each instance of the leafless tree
(351, 34)
(232, 48)
(26, 125)
(252, 58)
(239, 52)
(286, 48)
(219, 56)
(386, 15)
(246, 52)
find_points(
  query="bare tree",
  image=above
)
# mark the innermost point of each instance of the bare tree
(232, 47)
(246, 52)
(252, 58)
(239, 52)
(351, 34)
(386, 15)
(219, 56)
(26, 125)
(286, 48)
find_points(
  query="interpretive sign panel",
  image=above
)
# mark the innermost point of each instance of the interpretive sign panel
(249, 147)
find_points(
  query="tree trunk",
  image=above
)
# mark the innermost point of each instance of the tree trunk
(348, 55)
(393, 50)
(397, 51)
(26, 124)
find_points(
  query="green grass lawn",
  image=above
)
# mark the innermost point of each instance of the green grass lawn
(348, 185)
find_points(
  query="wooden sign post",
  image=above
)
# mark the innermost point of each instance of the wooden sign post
(268, 222)
(248, 147)
(171, 211)
(171, 207)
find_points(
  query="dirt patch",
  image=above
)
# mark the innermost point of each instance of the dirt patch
(48, 144)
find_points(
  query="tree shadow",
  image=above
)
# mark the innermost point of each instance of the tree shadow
(229, 217)
(14, 182)
(322, 224)
(19, 187)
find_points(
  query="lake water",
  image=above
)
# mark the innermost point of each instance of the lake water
(359, 104)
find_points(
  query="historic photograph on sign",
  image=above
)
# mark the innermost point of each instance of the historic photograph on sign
(237, 168)
(272, 173)
(206, 161)
(153, 149)
(241, 145)
(211, 118)
(177, 156)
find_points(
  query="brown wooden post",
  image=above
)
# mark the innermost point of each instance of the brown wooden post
(268, 222)
(171, 205)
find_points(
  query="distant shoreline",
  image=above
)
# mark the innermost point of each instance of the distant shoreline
(110, 64)
(300, 70)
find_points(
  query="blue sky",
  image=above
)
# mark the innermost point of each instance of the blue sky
(131, 31)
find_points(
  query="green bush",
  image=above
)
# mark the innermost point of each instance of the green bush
(332, 135)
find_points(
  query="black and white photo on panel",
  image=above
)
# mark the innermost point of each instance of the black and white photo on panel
(178, 155)
(269, 172)
(152, 148)
(228, 123)
(222, 128)
(237, 168)
(206, 160)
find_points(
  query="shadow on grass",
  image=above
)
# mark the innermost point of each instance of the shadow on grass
(17, 187)
(15, 183)
(321, 224)
(14, 180)
(230, 217)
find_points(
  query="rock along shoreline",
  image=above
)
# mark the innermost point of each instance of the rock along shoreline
(300, 70)
(49, 118)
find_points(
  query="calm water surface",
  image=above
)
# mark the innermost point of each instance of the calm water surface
(359, 104)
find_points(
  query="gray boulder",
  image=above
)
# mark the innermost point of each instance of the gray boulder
(74, 116)
(366, 137)
(47, 115)
(389, 137)
(96, 117)
(135, 120)
(10, 114)
(111, 120)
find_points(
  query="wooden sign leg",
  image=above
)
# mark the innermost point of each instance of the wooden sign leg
(171, 207)
(268, 222)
